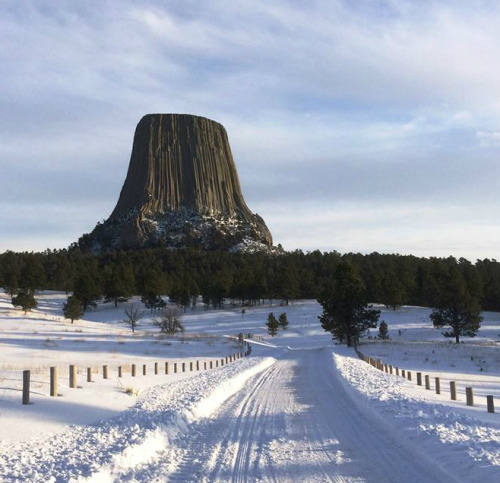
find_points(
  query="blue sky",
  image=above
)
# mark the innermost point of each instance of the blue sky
(355, 126)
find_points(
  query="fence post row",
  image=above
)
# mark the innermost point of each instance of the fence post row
(469, 394)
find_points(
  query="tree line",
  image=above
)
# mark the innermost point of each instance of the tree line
(243, 279)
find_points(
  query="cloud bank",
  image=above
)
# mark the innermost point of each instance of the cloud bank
(355, 126)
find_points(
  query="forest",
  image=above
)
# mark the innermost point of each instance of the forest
(243, 279)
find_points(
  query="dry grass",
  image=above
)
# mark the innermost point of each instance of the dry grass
(132, 391)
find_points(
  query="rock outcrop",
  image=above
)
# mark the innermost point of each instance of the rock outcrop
(182, 189)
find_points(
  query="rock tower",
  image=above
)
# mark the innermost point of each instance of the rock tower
(182, 189)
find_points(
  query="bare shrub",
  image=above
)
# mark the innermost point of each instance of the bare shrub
(133, 315)
(169, 322)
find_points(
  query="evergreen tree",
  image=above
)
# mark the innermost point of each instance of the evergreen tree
(25, 299)
(10, 273)
(151, 285)
(393, 290)
(456, 307)
(118, 284)
(32, 275)
(179, 293)
(73, 309)
(272, 324)
(345, 312)
(153, 302)
(283, 320)
(383, 332)
(87, 290)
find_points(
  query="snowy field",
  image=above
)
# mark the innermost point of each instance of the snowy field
(300, 408)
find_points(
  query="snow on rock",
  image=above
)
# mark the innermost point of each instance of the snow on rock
(137, 436)
(388, 396)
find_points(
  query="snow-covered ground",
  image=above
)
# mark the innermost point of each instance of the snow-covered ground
(300, 408)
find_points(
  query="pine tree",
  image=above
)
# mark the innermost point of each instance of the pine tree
(25, 299)
(73, 309)
(272, 324)
(346, 314)
(456, 308)
(383, 332)
(87, 290)
(283, 320)
(118, 283)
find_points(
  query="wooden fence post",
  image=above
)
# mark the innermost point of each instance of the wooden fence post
(104, 372)
(120, 371)
(217, 363)
(53, 381)
(403, 373)
(453, 390)
(26, 387)
(222, 362)
(490, 403)
(390, 369)
(134, 370)
(419, 378)
(156, 368)
(72, 376)
(397, 371)
(175, 367)
(183, 367)
(409, 375)
(205, 365)
(197, 365)
(89, 374)
(438, 385)
(144, 369)
(469, 396)
(166, 367)
(191, 366)
(427, 382)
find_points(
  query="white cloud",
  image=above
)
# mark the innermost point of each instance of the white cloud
(488, 139)
(329, 100)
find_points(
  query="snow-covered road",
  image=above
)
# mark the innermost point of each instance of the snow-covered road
(296, 422)
(289, 417)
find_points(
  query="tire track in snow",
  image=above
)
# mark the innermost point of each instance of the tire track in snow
(297, 422)
(232, 441)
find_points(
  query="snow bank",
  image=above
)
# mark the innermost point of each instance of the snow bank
(436, 424)
(137, 436)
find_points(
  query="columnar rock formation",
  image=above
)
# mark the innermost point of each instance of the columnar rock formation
(182, 189)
